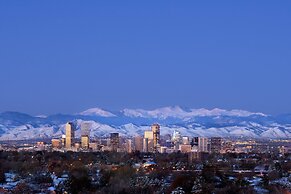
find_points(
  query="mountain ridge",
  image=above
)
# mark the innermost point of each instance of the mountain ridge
(192, 122)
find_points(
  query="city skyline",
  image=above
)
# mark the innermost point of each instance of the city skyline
(145, 97)
(66, 57)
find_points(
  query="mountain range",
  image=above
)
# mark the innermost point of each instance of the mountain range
(131, 122)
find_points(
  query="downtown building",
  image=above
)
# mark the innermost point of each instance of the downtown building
(215, 144)
(203, 144)
(156, 137)
(85, 135)
(70, 135)
(114, 141)
(138, 143)
(151, 140)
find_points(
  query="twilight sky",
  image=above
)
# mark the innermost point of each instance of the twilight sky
(67, 56)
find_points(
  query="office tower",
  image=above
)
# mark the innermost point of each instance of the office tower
(70, 135)
(185, 140)
(145, 145)
(63, 141)
(215, 144)
(194, 141)
(156, 137)
(149, 135)
(138, 143)
(85, 133)
(203, 144)
(85, 128)
(128, 145)
(85, 142)
(176, 138)
(114, 141)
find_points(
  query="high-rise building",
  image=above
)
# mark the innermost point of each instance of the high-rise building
(85, 133)
(138, 143)
(176, 139)
(215, 144)
(156, 137)
(128, 145)
(85, 142)
(85, 128)
(149, 135)
(63, 141)
(203, 145)
(70, 135)
(185, 140)
(114, 141)
(145, 145)
(194, 141)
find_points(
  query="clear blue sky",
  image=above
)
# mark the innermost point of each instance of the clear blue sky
(67, 56)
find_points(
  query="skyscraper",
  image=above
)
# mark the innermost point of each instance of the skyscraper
(194, 141)
(185, 140)
(145, 145)
(148, 142)
(138, 143)
(85, 142)
(156, 137)
(176, 139)
(70, 135)
(128, 145)
(114, 141)
(85, 133)
(63, 140)
(215, 144)
(203, 144)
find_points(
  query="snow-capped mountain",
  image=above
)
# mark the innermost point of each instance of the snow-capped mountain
(97, 112)
(131, 122)
(178, 112)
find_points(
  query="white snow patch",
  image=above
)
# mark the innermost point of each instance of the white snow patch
(178, 112)
(97, 112)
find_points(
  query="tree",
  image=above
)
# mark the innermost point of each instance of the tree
(2, 176)
(22, 188)
(79, 179)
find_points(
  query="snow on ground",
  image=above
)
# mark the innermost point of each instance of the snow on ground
(275, 133)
